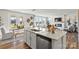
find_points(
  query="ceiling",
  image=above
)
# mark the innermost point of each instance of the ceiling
(47, 12)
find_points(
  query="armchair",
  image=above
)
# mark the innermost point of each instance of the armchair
(6, 35)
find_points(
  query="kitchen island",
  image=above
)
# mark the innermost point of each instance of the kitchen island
(45, 39)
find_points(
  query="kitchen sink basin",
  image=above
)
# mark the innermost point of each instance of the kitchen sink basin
(35, 30)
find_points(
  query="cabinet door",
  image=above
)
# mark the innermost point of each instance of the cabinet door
(28, 37)
(33, 40)
(59, 44)
(25, 33)
(56, 44)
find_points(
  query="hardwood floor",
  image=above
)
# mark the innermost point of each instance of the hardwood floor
(72, 40)
(20, 44)
(15, 45)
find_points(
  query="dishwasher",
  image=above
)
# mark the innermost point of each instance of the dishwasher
(43, 42)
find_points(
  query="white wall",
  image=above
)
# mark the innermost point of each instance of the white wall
(71, 16)
(5, 14)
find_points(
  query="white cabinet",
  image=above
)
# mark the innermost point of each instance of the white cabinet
(33, 40)
(25, 40)
(59, 44)
(28, 38)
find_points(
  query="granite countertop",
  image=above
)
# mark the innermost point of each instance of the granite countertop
(57, 35)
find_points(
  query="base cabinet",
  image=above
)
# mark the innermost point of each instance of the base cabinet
(33, 40)
(36, 41)
(25, 40)
(28, 39)
(59, 44)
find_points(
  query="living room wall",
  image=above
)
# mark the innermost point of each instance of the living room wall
(6, 14)
(65, 17)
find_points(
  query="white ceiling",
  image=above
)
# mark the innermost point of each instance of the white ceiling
(47, 12)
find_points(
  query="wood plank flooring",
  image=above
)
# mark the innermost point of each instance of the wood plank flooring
(15, 45)
(20, 44)
(72, 40)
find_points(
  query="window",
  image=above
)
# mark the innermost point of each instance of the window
(16, 23)
(20, 24)
(39, 21)
(13, 20)
(21, 20)
(50, 21)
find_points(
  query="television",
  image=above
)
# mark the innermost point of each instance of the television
(58, 19)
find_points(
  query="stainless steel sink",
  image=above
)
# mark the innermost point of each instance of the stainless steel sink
(35, 30)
